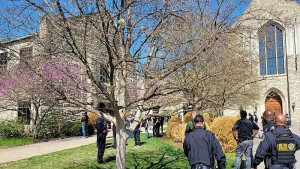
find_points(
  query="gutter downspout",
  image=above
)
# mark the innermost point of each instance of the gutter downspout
(287, 77)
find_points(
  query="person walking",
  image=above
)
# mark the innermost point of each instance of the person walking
(136, 133)
(84, 122)
(281, 143)
(201, 147)
(288, 121)
(255, 118)
(190, 125)
(246, 130)
(114, 136)
(101, 138)
(251, 118)
(157, 125)
(162, 119)
(268, 121)
(147, 127)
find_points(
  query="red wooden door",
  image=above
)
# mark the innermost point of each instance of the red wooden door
(274, 104)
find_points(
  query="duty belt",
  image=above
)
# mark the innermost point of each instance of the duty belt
(199, 166)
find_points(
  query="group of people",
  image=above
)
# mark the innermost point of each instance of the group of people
(277, 149)
(101, 127)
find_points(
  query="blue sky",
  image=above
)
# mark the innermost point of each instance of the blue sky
(5, 33)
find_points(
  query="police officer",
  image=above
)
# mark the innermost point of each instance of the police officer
(281, 143)
(201, 147)
(246, 130)
(114, 136)
(101, 138)
(268, 122)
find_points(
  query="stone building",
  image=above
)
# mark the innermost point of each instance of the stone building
(272, 34)
(51, 40)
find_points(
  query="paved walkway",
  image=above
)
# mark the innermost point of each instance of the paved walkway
(27, 151)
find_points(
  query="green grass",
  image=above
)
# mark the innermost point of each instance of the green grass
(152, 154)
(11, 142)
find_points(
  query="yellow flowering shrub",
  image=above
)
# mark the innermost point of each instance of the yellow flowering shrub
(187, 117)
(92, 117)
(176, 128)
(173, 121)
(178, 132)
(222, 127)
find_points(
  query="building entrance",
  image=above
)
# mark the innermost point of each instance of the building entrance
(273, 102)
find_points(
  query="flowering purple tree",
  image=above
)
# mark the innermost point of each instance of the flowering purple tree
(26, 83)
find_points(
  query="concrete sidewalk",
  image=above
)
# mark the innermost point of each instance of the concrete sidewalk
(27, 151)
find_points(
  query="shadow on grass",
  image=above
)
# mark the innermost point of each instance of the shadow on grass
(162, 160)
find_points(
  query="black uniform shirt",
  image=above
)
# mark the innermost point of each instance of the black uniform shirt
(268, 144)
(245, 129)
(201, 146)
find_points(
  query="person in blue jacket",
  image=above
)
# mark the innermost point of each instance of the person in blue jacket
(201, 147)
(101, 138)
(280, 143)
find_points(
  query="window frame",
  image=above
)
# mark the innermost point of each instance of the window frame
(25, 115)
(263, 31)
(3, 65)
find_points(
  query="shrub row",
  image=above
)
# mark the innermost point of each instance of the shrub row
(12, 129)
(50, 128)
(53, 128)
(220, 126)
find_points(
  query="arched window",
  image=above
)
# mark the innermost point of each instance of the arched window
(271, 50)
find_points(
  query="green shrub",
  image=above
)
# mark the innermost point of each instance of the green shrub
(11, 129)
(66, 128)
(50, 128)
(75, 130)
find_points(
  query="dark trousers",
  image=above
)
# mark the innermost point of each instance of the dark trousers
(156, 130)
(136, 137)
(101, 141)
(115, 138)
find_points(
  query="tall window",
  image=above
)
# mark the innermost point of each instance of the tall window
(24, 111)
(3, 61)
(271, 51)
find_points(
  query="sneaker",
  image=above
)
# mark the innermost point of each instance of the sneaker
(100, 162)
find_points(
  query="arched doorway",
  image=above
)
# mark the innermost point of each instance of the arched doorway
(273, 102)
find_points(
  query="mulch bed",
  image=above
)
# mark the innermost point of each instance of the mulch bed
(172, 143)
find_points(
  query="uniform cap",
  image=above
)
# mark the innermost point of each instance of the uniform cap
(280, 120)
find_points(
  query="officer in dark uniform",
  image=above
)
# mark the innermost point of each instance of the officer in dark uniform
(268, 120)
(268, 125)
(246, 130)
(101, 138)
(114, 136)
(201, 147)
(281, 143)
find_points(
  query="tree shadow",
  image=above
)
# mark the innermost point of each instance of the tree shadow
(162, 161)
(242, 165)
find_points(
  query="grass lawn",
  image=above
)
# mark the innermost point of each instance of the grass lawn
(152, 154)
(9, 142)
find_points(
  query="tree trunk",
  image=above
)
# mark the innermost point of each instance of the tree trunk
(121, 145)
